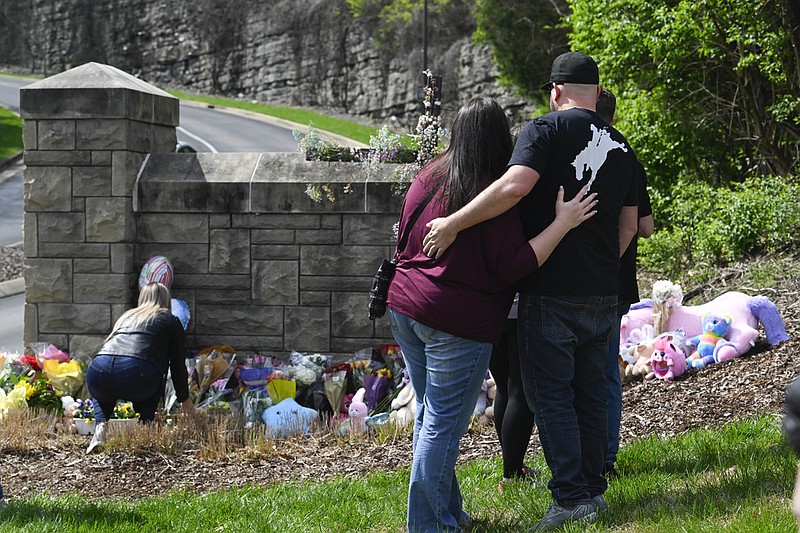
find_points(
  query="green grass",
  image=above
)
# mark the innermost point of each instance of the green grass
(345, 128)
(736, 479)
(10, 133)
(23, 76)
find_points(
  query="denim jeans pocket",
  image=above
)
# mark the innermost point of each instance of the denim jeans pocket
(431, 335)
(557, 315)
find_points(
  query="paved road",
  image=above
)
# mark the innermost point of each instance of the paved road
(11, 212)
(11, 312)
(205, 129)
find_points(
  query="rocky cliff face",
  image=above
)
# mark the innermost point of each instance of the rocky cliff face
(283, 52)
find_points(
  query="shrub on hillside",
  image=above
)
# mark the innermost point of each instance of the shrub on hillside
(700, 226)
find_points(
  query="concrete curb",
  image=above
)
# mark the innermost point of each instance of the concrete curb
(5, 163)
(12, 287)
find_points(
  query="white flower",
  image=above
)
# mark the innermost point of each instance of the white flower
(667, 293)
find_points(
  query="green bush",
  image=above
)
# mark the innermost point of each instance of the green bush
(700, 225)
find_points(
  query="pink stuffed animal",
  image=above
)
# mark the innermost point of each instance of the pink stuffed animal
(358, 411)
(746, 313)
(667, 361)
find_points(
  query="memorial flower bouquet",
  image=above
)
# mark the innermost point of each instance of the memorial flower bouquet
(377, 384)
(41, 394)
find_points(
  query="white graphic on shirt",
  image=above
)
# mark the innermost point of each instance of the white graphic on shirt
(594, 155)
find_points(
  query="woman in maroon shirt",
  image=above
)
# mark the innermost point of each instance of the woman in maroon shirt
(446, 314)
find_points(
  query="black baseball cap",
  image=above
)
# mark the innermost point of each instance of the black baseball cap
(573, 67)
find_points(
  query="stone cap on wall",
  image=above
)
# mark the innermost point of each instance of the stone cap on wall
(260, 183)
(94, 90)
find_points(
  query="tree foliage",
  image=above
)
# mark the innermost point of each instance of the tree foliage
(711, 86)
(525, 36)
(397, 24)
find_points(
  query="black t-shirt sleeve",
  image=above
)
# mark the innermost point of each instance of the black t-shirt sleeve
(534, 146)
(632, 195)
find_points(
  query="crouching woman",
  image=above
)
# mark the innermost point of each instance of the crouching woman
(132, 364)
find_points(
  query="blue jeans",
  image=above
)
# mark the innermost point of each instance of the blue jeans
(563, 352)
(110, 378)
(446, 373)
(614, 385)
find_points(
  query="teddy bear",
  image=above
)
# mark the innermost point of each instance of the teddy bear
(483, 398)
(638, 358)
(491, 394)
(668, 361)
(404, 406)
(635, 352)
(710, 341)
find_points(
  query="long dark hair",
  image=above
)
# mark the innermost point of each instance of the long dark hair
(480, 148)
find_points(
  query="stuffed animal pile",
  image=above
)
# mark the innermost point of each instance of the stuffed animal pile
(656, 334)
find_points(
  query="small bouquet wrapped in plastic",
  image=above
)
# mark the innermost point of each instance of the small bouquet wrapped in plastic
(377, 384)
(307, 369)
(15, 399)
(213, 365)
(361, 365)
(280, 387)
(41, 394)
(65, 376)
(393, 359)
(334, 383)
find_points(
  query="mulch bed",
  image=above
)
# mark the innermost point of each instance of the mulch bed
(750, 385)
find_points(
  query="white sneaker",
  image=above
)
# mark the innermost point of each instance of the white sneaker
(99, 437)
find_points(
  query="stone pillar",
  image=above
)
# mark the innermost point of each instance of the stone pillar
(86, 133)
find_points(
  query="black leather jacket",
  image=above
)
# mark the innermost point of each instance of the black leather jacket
(160, 341)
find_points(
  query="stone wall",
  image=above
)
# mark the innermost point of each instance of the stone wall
(260, 264)
(283, 52)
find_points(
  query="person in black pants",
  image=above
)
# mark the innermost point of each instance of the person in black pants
(628, 294)
(513, 419)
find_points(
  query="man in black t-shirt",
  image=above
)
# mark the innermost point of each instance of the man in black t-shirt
(567, 307)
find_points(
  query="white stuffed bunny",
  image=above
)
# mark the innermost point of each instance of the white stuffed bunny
(404, 406)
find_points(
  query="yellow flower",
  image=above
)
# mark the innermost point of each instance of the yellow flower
(29, 390)
(13, 400)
